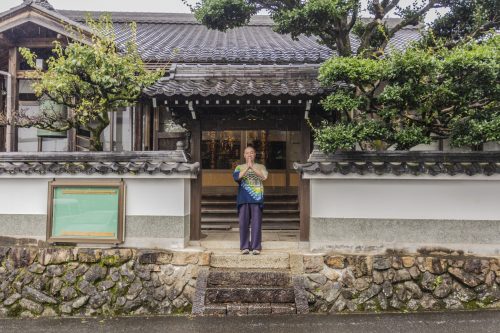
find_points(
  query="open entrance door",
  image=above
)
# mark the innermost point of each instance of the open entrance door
(222, 151)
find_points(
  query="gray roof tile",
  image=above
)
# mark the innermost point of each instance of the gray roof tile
(179, 38)
(64, 163)
(222, 80)
(399, 163)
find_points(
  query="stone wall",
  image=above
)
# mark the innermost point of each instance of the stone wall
(85, 281)
(68, 281)
(338, 283)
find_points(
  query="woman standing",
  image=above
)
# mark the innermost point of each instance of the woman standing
(250, 201)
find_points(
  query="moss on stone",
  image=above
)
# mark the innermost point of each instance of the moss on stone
(183, 310)
(378, 307)
(110, 261)
(14, 311)
(473, 305)
(438, 281)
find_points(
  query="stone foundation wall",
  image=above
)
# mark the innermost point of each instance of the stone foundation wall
(338, 283)
(85, 282)
(38, 281)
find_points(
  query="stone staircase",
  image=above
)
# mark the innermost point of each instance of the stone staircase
(281, 212)
(237, 285)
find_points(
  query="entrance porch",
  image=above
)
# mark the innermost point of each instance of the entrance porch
(218, 110)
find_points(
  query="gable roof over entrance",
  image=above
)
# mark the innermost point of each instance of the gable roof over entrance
(223, 80)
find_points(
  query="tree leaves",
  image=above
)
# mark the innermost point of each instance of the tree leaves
(94, 79)
(409, 97)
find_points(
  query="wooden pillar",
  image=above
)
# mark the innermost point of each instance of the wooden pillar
(2, 110)
(147, 127)
(156, 126)
(196, 184)
(304, 188)
(11, 137)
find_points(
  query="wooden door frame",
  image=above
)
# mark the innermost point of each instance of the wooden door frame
(304, 184)
(196, 183)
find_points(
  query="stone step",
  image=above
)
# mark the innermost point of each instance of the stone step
(270, 217)
(234, 219)
(274, 260)
(265, 226)
(249, 294)
(248, 277)
(234, 212)
(268, 205)
(267, 196)
(243, 309)
(235, 244)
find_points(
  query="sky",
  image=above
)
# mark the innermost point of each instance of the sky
(162, 6)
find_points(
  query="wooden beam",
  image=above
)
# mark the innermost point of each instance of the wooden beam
(2, 111)
(27, 75)
(290, 125)
(147, 127)
(11, 137)
(5, 41)
(41, 42)
(304, 184)
(156, 126)
(196, 184)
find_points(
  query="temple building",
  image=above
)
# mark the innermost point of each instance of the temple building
(222, 91)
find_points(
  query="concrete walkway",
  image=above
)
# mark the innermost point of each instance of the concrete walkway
(456, 322)
(230, 239)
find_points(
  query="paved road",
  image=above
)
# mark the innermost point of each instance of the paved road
(456, 322)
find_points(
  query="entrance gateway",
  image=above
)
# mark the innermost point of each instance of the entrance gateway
(224, 108)
(219, 128)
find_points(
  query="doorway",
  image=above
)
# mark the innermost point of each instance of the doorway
(222, 151)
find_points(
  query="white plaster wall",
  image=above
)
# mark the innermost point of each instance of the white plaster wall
(464, 199)
(147, 197)
(23, 196)
(155, 197)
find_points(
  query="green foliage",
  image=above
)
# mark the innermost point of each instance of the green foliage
(225, 14)
(329, 20)
(409, 97)
(357, 71)
(341, 136)
(92, 76)
(467, 18)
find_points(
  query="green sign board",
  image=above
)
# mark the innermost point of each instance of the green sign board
(86, 212)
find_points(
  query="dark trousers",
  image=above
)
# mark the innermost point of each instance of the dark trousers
(250, 215)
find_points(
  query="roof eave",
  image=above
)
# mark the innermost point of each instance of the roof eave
(43, 17)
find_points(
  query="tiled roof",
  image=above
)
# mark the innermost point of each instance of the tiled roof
(402, 163)
(223, 80)
(165, 162)
(44, 3)
(179, 38)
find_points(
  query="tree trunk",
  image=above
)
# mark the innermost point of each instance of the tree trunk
(95, 133)
(344, 44)
(95, 141)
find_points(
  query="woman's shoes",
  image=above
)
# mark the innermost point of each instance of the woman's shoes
(247, 251)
